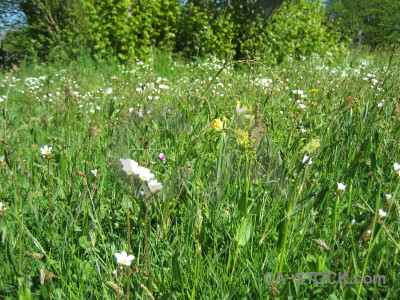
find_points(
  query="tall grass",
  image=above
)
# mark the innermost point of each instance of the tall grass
(248, 188)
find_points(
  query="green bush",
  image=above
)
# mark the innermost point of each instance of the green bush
(301, 28)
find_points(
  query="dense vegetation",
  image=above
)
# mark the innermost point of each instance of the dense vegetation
(132, 29)
(200, 149)
(291, 169)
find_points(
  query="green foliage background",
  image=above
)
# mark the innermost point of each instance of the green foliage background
(131, 29)
(379, 20)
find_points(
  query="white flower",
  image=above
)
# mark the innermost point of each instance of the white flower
(353, 221)
(388, 196)
(144, 174)
(2, 159)
(94, 172)
(124, 259)
(140, 113)
(302, 106)
(240, 109)
(45, 151)
(381, 104)
(303, 130)
(299, 93)
(307, 158)
(382, 213)
(341, 186)
(2, 207)
(396, 166)
(129, 166)
(154, 186)
(130, 109)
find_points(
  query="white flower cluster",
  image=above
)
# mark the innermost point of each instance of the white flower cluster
(132, 168)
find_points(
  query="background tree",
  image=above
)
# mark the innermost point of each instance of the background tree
(370, 22)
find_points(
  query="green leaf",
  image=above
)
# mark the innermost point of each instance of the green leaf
(244, 231)
(176, 270)
(24, 293)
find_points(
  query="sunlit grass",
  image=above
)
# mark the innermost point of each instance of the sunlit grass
(298, 176)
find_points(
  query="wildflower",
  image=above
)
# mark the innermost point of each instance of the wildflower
(218, 124)
(241, 109)
(163, 87)
(313, 90)
(45, 151)
(2, 208)
(2, 159)
(306, 159)
(129, 166)
(302, 106)
(382, 213)
(303, 130)
(162, 157)
(243, 138)
(95, 173)
(388, 196)
(353, 221)
(154, 186)
(249, 117)
(124, 259)
(144, 174)
(341, 186)
(396, 167)
(381, 104)
(140, 113)
(298, 94)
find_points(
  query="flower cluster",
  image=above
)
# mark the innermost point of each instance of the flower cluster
(132, 168)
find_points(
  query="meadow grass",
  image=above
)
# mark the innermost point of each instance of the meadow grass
(301, 175)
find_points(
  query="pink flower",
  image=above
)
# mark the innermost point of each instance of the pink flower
(162, 157)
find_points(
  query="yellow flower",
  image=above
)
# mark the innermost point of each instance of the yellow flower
(369, 57)
(219, 123)
(243, 138)
(250, 117)
(313, 90)
(241, 109)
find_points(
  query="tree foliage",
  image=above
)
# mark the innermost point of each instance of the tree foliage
(132, 28)
(370, 22)
(301, 28)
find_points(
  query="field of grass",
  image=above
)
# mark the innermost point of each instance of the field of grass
(267, 173)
